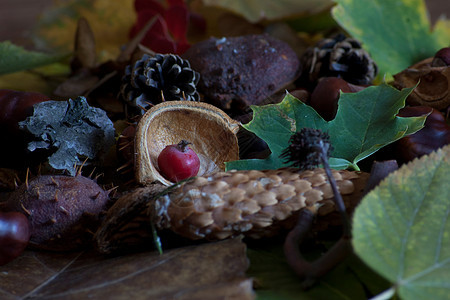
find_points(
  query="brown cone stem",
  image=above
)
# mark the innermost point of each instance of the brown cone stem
(309, 272)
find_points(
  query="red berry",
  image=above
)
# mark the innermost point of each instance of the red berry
(178, 162)
(14, 235)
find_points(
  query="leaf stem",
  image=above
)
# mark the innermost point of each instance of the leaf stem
(387, 294)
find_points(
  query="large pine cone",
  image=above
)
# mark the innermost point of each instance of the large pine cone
(154, 79)
(226, 204)
(253, 203)
(339, 56)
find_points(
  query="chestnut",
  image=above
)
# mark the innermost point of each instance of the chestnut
(14, 235)
(434, 135)
(325, 96)
(441, 58)
(15, 106)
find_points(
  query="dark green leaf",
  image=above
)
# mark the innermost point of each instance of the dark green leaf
(365, 122)
(14, 58)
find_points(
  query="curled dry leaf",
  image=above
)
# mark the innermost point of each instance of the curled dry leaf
(434, 87)
(211, 132)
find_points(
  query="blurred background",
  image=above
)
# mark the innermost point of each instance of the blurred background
(17, 17)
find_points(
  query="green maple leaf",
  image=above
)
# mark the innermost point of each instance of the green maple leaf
(14, 58)
(365, 122)
(401, 229)
(397, 33)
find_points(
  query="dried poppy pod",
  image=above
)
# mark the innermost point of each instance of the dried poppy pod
(211, 132)
(253, 203)
(434, 87)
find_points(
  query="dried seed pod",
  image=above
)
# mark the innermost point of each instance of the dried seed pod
(434, 87)
(62, 210)
(212, 134)
(254, 203)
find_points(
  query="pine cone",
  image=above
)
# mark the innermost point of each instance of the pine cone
(154, 79)
(338, 56)
(253, 203)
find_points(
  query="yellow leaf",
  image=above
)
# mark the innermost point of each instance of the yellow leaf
(110, 22)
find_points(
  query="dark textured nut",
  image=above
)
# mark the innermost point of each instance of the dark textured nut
(62, 210)
(434, 135)
(242, 70)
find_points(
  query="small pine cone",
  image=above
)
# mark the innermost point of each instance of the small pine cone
(154, 79)
(338, 56)
(253, 203)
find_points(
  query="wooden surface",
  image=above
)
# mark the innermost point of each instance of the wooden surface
(17, 17)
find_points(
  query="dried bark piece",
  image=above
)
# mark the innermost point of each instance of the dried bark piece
(211, 132)
(434, 87)
(267, 201)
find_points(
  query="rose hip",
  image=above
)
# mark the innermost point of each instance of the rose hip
(177, 162)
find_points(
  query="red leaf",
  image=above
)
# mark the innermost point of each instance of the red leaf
(168, 34)
(177, 19)
(140, 5)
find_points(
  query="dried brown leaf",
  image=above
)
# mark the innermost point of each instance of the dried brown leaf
(208, 271)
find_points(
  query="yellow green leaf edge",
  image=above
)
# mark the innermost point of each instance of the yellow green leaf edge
(401, 229)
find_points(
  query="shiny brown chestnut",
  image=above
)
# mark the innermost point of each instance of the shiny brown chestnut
(325, 96)
(434, 135)
(15, 106)
(14, 235)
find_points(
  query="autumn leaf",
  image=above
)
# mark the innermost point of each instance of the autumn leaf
(258, 10)
(110, 22)
(208, 271)
(365, 122)
(14, 58)
(397, 33)
(401, 229)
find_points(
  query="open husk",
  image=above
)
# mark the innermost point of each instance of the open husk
(211, 132)
(434, 84)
